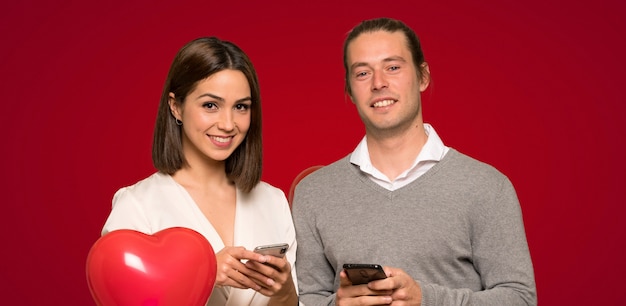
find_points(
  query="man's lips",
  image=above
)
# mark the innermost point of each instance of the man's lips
(383, 103)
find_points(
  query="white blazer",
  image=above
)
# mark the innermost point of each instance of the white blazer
(158, 202)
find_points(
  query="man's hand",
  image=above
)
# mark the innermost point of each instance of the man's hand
(406, 291)
(398, 289)
(349, 294)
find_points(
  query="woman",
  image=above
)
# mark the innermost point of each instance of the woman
(207, 149)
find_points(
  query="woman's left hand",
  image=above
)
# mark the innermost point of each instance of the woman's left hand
(273, 276)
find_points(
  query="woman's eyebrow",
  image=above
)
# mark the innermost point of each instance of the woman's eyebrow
(216, 97)
(211, 96)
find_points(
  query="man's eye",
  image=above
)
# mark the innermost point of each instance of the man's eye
(394, 68)
(361, 74)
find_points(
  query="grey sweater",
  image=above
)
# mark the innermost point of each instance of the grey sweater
(457, 230)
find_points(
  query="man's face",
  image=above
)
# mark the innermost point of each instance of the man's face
(385, 86)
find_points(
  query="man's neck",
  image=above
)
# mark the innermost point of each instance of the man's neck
(392, 155)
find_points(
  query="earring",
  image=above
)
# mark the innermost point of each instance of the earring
(178, 122)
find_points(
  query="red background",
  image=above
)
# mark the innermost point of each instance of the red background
(533, 88)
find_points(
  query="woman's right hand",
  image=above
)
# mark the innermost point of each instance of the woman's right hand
(232, 272)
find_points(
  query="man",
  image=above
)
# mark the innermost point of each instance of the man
(447, 228)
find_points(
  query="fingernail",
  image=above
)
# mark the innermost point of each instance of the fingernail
(270, 282)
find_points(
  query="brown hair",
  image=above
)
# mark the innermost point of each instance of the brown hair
(391, 26)
(194, 62)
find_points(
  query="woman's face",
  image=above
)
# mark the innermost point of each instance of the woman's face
(215, 116)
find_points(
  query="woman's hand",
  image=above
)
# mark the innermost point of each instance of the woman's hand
(273, 276)
(231, 271)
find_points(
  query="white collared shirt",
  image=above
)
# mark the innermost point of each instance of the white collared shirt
(432, 152)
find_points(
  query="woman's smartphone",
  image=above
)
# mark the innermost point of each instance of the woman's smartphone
(364, 273)
(278, 250)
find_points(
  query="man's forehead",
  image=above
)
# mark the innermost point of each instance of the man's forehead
(378, 46)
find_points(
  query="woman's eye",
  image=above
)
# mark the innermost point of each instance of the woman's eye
(209, 105)
(242, 107)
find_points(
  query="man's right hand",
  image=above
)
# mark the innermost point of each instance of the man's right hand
(349, 294)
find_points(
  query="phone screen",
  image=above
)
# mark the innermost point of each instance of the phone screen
(364, 273)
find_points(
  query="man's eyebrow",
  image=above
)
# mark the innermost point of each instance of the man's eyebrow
(387, 59)
(394, 59)
(222, 99)
(357, 65)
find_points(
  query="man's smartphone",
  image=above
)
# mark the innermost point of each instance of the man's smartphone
(364, 273)
(278, 249)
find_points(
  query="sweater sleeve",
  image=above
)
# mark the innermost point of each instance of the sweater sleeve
(500, 255)
(315, 275)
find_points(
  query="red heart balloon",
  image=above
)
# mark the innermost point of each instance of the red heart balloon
(175, 266)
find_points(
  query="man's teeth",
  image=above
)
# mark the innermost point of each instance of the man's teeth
(221, 139)
(383, 103)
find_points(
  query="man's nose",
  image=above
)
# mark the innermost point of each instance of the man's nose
(379, 81)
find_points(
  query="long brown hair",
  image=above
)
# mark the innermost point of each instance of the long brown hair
(194, 62)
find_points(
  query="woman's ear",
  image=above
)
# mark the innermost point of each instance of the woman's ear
(174, 106)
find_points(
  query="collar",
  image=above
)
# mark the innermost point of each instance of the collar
(433, 150)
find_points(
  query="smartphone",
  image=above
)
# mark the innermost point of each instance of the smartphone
(278, 249)
(364, 273)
